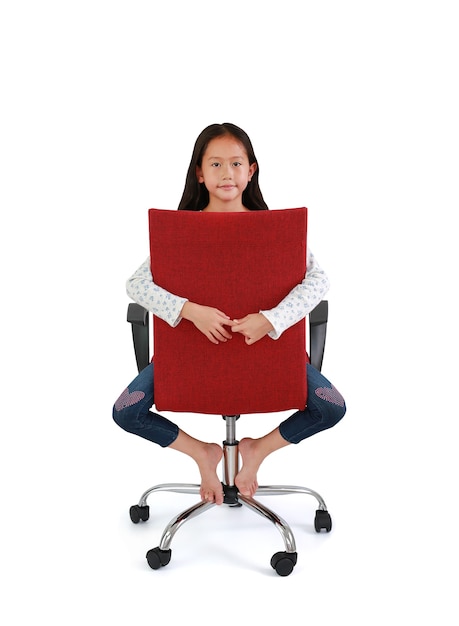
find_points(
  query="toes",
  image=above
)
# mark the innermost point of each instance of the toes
(207, 496)
(212, 496)
(249, 490)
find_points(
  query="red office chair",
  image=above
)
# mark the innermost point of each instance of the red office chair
(239, 263)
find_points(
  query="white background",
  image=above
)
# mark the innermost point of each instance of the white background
(352, 110)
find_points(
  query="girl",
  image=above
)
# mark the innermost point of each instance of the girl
(223, 177)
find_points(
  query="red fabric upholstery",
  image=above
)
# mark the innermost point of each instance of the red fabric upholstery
(239, 263)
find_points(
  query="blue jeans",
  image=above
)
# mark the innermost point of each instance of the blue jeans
(132, 412)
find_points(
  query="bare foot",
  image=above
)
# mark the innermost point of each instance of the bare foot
(246, 480)
(211, 486)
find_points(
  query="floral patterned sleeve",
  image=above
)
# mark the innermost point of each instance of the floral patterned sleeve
(141, 288)
(301, 300)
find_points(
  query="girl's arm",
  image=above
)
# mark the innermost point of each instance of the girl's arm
(300, 301)
(172, 308)
(211, 322)
(294, 307)
(141, 288)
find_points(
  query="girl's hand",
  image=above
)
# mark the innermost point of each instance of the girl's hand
(211, 322)
(253, 327)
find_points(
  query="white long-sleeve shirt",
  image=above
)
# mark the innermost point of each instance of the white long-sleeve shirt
(295, 306)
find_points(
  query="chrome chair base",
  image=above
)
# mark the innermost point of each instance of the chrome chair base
(282, 562)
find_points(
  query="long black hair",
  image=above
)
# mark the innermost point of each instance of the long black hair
(195, 195)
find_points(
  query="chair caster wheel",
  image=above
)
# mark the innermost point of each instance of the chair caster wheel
(284, 562)
(139, 513)
(322, 521)
(158, 558)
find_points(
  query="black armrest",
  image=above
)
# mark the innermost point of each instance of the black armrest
(318, 319)
(138, 317)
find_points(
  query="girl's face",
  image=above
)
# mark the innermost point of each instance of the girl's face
(226, 172)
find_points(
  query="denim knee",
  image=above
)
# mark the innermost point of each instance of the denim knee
(147, 424)
(304, 424)
(132, 411)
(325, 408)
(131, 407)
(123, 419)
(334, 416)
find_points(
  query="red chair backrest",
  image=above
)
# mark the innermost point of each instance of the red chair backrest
(239, 263)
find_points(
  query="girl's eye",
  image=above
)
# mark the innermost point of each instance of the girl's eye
(237, 164)
(215, 164)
